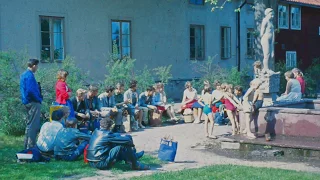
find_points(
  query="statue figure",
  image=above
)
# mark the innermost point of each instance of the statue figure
(267, 39)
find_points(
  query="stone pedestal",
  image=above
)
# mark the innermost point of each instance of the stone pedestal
(270, 87)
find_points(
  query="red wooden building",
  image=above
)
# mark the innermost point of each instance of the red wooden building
(298, 41)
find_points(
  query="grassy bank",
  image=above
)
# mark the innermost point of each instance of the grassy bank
(10, 169)
(231, 172)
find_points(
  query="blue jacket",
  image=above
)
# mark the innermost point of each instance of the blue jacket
(144, 100)
(29, 88)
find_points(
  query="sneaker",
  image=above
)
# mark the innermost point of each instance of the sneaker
(141, 126)
(196, 121)
(139, 154)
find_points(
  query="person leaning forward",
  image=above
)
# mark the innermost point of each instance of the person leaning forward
(31, 98)
(106, 148)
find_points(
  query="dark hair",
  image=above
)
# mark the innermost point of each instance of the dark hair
(150, 88)
(238, 88)
(216, 83)
(32, 62)
(133, 84)
(206, 90)
(71, 122)
(109, 89)
(57, 115)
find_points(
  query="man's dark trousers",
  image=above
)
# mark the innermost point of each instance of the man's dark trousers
(32, 124)
(115, 154)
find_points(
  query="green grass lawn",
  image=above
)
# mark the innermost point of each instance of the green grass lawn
(10, 169)
(232, 172)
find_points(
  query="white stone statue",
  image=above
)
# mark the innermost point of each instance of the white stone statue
(267, 39)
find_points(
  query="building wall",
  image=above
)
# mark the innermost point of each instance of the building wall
(305, 41)
(159, 28)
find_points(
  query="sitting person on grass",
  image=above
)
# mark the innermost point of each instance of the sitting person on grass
(65, 145)
(107, 148)
(160, 99)
(81, 111)
(49, 131)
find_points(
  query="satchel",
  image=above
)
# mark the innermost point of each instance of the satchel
(167, 150)
(155, 118)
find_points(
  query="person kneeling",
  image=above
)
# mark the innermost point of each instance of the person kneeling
(106, 148)
(66, 147)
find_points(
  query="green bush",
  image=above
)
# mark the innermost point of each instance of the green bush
(311, 77)
(12, 111)
(124, 70)
(47, 77)
(282, 68)
(211, 71)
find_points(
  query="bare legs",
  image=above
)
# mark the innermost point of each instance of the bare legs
(233, 119)
(197, 113)
(209, 117)
(171, 113)
(248, 125)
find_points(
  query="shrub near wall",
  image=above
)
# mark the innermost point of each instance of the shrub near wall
(211, 71)
(11, 109)
(13, 113)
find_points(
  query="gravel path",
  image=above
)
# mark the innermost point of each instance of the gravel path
(191, 152)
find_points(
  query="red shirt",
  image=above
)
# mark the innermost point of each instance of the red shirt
(302, 83)
(62, 92)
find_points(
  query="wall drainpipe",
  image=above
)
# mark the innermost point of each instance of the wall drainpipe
(238, 34)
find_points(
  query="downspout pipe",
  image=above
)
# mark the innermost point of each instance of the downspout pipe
(238, 33)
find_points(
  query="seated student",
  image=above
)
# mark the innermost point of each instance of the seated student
(65, 145)
(146, 101)
(132, 97)
(49, 131)
(107, 102)
(81, 111)
(63, 92)
(197, 106)
(92, 103)
(160, 99)
(106, 148)
(293, 89)
(238, 92)
(121, 106)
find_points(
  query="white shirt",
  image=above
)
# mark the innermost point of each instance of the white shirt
(190, 94)
(47, 135)
(217, 95)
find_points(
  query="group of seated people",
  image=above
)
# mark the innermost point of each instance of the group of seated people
(104, 148)
(88, 107)
(228, 100)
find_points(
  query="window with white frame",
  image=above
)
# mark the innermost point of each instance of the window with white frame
(52, 38)
(283, 17)
(291, 59)
(250, 43)
(225, 42)
(295, 18)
